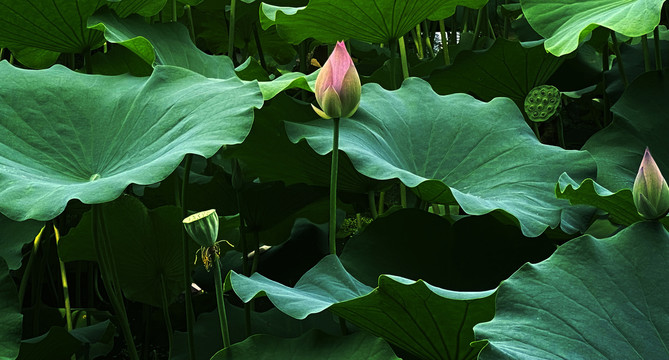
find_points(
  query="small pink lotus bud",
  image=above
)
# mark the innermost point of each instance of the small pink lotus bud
(338, 85)
(650, 191)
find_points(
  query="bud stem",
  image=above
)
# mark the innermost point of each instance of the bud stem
(332, 234)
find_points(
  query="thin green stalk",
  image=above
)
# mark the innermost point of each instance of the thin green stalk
(505, 32)
(231, 31)
(63, 279)
(332, 233)
(191, 25)
(88, 63)
(256, 37)
(444, 43)
(428, 43)
(403, 195)
(166, 315)
(658, 53)
(403, 58)
(256, 252)
(174, 11)
(535, 127)
(372, 204)
(453, 39)
(393, 63)
(417, 39)
(646, 52)
(490, 28)
(616, 50)
(190, 313)
(110, 277)
(605, 68)
(477, 28)
(29, 266)
(560, 131)
(220, 303)
(382, 201)
(466, 16)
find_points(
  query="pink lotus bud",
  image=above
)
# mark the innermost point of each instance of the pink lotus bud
(650, 191)
(338, 85)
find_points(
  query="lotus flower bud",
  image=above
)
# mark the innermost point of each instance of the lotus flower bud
(650, 191)
(337, 85)
(203, 227)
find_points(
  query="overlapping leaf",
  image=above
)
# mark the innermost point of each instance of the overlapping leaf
(564, 23)
(13, 235)
(372, 21)
(65, 135)
(430, 322)
(10, 315)
(593, 299)
(456, 148)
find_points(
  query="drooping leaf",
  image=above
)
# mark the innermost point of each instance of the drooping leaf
(161, 44)
(593, 299)
(372, 21)
(10, 315)
(564, 23)
(456, 148)
(430, 322)
(146, 244)
(59, 344)
(13, 236)
(56, 130)
(639, 122)
(312, 345)
(507, 69)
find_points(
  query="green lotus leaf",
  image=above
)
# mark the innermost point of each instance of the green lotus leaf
(508, 68)
(142, 7)
(640, 118)
(456, 148)
(314, 344)
(564, 23)
(54, 25)
(65, 135)
(376, 22)
(11, 319)
(430, 322)
(13, 236)
(146, 244)
(592, 299)
(161, 44)
(58, 343)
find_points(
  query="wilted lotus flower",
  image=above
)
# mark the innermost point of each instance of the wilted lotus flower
(338, 85)
(650, 191)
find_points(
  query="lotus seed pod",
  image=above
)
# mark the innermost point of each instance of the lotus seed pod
(203, 227)
(542, 103)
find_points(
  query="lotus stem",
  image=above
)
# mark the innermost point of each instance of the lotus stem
(658, 53)
(29, 266)
(110, 277)
(63, 278)
(444, 43)
(616, 50)
(393, 63)
(190, 313)
(477, 28)
(560, 131)
(646, 52)
(403, 58)
(174, 10)
(166, 315)
(231, 31)
(191, 25)
(220, 302)
(332, 233)
(261, 57)
(372, 204)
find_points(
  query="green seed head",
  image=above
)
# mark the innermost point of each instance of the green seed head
(542, 103)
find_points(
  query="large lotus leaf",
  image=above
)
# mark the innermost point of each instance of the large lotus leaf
(162, 44)
(65, 135)
(593, 299)
(640, 121)
(430, 322)
(454, 147)
(475, 253)
(10, 315)
(142, 7)
(506, 69)
(325, 284)
(269, 154)
(13, 235)
(564, 23)
(312, 345)
(53, 25)
(146, 244)
(60, 344)
(371, 21)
